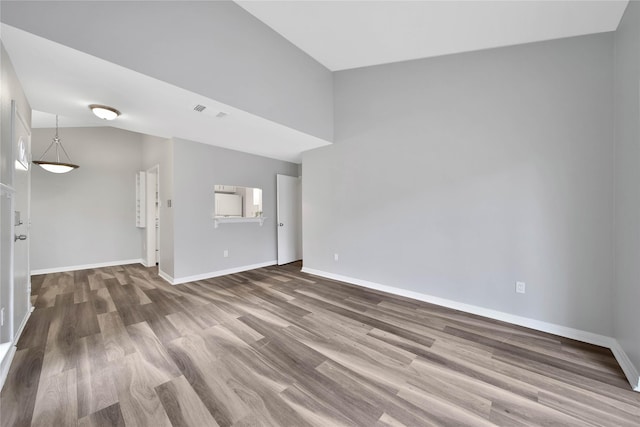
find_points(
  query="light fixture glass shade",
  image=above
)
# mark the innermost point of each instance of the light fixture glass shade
(104, 112)
(56, 166)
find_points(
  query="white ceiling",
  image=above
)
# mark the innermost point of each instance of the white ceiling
(339, 34)
(350, 34)
(64, 81)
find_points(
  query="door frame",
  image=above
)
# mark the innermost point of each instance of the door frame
(152, 234)
(15, 330)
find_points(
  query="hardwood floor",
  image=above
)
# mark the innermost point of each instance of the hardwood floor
(120, 347)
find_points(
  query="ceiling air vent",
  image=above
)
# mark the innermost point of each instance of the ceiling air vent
(199, 108)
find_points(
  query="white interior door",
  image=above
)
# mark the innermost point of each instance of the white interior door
(21, 277)
(289, 207)
(6, 268)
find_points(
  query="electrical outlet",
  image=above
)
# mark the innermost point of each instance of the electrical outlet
(225, 253)
(521, 287)
(335, 257)
(2, 316)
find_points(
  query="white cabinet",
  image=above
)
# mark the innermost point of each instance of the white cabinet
(141, 199)
(225, 188)
(228, 205)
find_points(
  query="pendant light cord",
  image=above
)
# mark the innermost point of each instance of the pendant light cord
(58, 144)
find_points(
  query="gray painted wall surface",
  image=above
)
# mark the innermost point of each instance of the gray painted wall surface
(627, 183)
(457, 176)
(213, 48)
(10, 89)
(159, 151)
(86, 216)
(198, 245)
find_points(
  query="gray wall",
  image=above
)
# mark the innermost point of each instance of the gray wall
(10, 89)
(86, 216)
(627, 183)
(198, 245)
(459, 175)
(159, 151)
(213, 48)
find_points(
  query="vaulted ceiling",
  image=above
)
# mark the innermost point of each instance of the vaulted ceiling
(351, 34)
(338, 34)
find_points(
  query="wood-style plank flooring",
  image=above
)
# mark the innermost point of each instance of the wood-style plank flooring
(120, 347)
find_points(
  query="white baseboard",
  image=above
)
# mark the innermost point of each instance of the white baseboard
(8, 350)
(165, 276)
(552, 328)
(23, 324)
(85, 266)
(179, 280)
(627, 366)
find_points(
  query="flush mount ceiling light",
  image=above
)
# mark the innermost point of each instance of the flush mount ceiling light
(56, 166)
(104, 112)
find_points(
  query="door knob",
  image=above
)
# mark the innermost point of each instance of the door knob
(20, 237)
(281, 225)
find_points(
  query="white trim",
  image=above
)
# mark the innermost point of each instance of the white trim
(222, 220)
(589, 337)
(8, 351)
(152, 231)
(627, 366)
(7, 189)
(222, 272)
(165, 276)
(23, 324)
(86, 266)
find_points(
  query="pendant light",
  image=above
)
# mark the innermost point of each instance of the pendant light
(56, 166)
